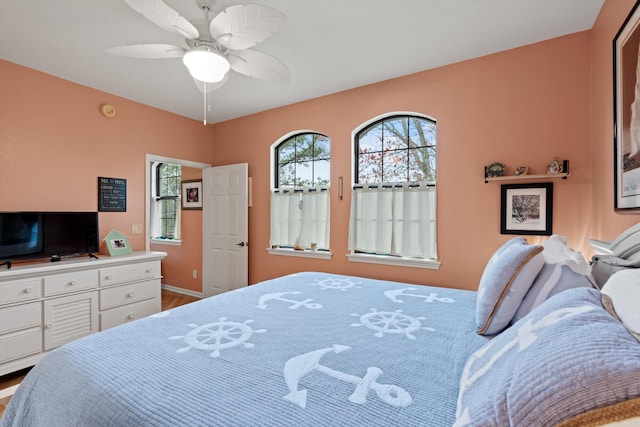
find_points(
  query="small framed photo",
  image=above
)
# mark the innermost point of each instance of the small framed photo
(526, 209)
(117, 243)
(192, 194)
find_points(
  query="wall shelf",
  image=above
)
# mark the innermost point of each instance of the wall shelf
(564, 175)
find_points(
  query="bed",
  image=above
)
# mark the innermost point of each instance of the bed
(312, 349)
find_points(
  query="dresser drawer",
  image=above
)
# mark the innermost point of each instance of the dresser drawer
(64, 283)
(20, 317)
(20, 344)
(127, 294)
(129, 273)
(20, 290)
(120, 315)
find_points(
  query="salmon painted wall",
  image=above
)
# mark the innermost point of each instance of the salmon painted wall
(178, 266)
(522, 107)
(54, 144)
(605, 223)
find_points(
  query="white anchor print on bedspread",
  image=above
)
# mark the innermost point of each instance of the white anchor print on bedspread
(278, 296)
(298, 366)
(395, 293)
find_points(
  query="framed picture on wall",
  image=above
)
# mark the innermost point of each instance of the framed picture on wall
(626, 127)
(192, 194)
(526, 209)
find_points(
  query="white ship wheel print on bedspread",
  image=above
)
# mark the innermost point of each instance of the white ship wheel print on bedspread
(298, 366)
(341, 284)
(394, 294)
(391, 322)
(217, 336)
(278, 296)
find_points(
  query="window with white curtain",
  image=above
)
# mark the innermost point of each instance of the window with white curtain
(393, 203)
(165, 203)
(300, 197)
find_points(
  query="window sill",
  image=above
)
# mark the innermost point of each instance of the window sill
(166, 242)
(397, 261)
(302, 254)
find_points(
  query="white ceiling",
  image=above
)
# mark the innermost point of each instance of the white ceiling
(328, 45)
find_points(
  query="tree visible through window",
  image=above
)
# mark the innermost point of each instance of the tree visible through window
(393, 209)
(168, 177)
(300, 199)
(397, 149)
(303, 161)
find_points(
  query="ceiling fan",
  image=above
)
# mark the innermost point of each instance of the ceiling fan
(213, 45)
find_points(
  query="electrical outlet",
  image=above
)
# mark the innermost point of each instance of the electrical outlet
(195, 274)
(136, 228)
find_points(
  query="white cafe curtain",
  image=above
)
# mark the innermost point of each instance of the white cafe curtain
(394, 219)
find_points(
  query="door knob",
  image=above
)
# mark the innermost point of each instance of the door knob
(241, 244)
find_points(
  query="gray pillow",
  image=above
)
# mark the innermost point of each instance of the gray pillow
(566, 357)
(552, 279)
(604, 266)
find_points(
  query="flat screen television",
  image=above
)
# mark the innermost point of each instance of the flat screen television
(31, 235)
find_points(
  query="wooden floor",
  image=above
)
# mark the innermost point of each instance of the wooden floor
(169, 300)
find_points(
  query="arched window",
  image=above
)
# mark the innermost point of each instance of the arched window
(393, 211)
(300, 199)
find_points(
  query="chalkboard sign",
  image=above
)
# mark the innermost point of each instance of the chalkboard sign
(112, 194)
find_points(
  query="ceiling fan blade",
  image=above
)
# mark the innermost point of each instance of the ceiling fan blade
(148, 51)
(163, 16)
(210, 87)
(245, 25)
(258, 65)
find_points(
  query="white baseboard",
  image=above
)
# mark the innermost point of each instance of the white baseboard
(181, 291)
(6, 393)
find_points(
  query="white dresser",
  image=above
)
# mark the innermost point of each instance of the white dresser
(45, 305)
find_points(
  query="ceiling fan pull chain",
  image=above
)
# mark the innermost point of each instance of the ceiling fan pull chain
(205, 103)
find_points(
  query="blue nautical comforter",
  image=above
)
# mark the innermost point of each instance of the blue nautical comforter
(307, 349)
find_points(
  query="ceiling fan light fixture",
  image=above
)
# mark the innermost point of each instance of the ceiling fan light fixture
(206, 65)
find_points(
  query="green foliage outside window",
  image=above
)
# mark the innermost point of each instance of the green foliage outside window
(303, 161)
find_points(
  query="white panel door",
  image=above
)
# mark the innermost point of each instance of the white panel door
(225, 228)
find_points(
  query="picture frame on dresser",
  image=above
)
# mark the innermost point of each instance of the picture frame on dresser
(526, 209)
(626, 127)
(117, 243)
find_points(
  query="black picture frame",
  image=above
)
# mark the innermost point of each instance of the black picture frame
(526, 209)
(192, 194)
(112, 194)
(626, 126)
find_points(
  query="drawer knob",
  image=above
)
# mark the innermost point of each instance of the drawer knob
(108, 277)
(148, 271)
(130, 294)
(48, 325)
(28, 290)
(73, 283)
(131, 316)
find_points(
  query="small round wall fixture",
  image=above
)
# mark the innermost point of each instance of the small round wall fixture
(108, 110)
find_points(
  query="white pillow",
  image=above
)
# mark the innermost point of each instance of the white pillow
(556, 251)
(624, 289)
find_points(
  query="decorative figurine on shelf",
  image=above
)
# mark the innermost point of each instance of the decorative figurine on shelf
(522, 170)
(494, 169)
(555, 167)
